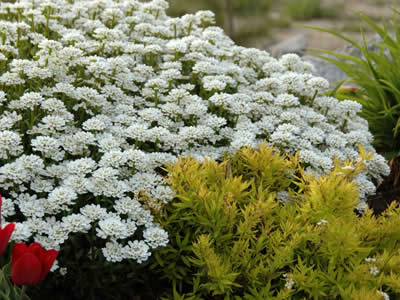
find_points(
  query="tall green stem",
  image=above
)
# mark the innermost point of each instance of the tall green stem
(21, 297)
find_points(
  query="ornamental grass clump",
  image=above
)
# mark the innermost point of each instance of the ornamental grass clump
(376, 71)
(231, 237)
(96, 96)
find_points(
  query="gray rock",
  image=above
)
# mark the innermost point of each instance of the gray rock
(333, 73)
(296, 44)
(329, 71)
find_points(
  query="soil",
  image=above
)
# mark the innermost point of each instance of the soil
(389, 191)
(385, 195)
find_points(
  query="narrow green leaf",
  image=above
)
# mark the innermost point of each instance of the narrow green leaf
(337, 87)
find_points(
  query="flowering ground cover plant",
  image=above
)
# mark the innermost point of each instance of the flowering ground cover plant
(98, 95)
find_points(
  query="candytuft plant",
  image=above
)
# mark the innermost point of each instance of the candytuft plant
(231, 237)
(98, 95)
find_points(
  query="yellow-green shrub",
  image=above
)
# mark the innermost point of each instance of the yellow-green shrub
(231, 239)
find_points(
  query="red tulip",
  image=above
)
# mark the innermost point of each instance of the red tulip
(30, 265)
(5, 233)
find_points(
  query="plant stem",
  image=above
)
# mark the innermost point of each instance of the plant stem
(22, 292)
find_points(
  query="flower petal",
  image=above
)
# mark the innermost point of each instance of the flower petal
(5, 235)
(47, 260)
(26, 270)
(18, 250)
(36, 249)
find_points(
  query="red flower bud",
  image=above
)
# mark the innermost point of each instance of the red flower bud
(30, 265)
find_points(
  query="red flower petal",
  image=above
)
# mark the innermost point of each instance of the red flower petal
(1, 202)
(5, 235)
(36, 249)
(47, 260)
(18, 250)
(26, 270)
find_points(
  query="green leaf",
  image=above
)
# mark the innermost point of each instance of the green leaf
(337, 87)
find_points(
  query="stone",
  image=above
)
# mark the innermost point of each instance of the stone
(296, 44)
(333, 73)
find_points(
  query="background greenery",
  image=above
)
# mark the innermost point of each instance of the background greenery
(253, 18)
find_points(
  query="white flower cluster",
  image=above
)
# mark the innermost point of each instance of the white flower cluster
(384, 296)
(373, 269)
(98, 94)
(289, 281)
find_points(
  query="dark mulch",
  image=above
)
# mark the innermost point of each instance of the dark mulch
(386, 193)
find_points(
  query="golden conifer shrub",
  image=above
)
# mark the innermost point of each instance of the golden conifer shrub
(257, 226)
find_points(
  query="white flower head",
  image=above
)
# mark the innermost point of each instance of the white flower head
(137, 250)
(155, 237)
(113, 228)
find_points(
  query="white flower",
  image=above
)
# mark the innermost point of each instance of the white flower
(81, 166)
(113, 228)
(94, 124)
(37, 225)
(163, 194)
(10, 144)
(374, 270)
(7, 207)
(108, 142)
(178, 46)
(52, 123)
(206, 16)
(137, 250)
(50, 147)
(47, 242)
(155, 237)
(127, 205)
(78, 183)
(27, 101)
(282, 196)
(76, 223)
(55, 266)
(32, 208)
(114, 252)
(370, 259)
(60, 199)
(8, 119)
(21, 233)
(286, 100)
(365, 186)
(289, 281)
(384, 295)
(58, 232)
(63, 271)
(112, 158)
(93, 212)
(142, 217)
